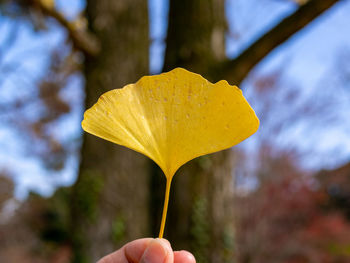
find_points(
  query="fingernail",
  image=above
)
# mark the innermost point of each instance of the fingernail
(156, 252)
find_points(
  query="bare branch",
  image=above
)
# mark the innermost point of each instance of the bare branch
(82, 40)
(237, 69)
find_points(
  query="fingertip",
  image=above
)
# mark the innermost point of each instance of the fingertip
(145, 250)
(135, 249)
(158, 251)
(165, 242)
(183, 256)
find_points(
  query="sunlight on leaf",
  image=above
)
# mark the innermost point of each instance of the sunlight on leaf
(173, 118)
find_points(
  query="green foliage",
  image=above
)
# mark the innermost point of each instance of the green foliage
(200, 229)
(86, 197)
(118, 229)
(340, 249)
(205, 162)
(228, 244)
(87, 194)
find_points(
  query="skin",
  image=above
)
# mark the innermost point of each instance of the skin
(148, 250)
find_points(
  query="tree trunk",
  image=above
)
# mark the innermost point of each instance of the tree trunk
(200, 211)
(110, 200)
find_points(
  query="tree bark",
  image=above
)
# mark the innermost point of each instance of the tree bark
(200, 210)
(110, 200)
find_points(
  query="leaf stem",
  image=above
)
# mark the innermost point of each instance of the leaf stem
(165, 207)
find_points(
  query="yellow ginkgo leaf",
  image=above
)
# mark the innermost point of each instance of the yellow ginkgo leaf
(173, 118)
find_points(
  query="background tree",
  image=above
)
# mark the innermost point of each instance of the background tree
(112, 179)
(202, 191)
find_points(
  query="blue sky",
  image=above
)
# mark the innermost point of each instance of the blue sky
(309, 59)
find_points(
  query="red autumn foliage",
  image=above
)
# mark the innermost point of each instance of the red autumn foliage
(286, 219)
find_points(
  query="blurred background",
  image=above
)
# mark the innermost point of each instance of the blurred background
(283, 195)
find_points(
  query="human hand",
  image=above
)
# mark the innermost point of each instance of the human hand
(148, 250)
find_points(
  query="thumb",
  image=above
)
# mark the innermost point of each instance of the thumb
(158, 251)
